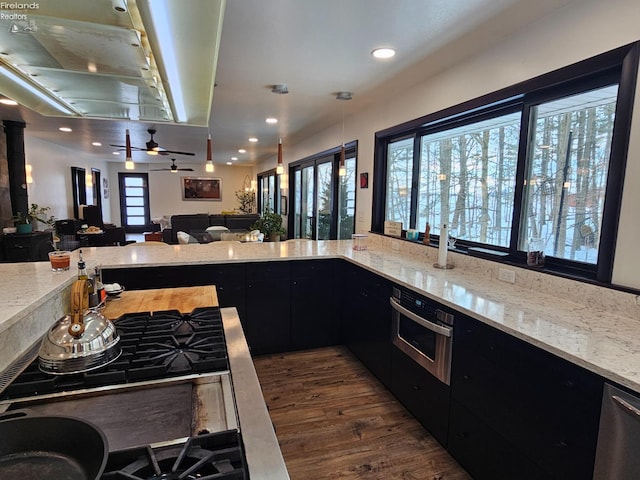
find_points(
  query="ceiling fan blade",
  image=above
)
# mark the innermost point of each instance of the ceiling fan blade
(160, 169)
(177, 153)
(186, 169)
(124, 146)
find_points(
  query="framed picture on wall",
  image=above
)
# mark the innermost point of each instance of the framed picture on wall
(201, 188)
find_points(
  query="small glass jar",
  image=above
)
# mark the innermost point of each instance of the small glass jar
(535, 252)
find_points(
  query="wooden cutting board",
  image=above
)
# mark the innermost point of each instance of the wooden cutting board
(183, 299)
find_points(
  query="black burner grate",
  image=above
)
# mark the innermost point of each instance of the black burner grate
(165, 344)
(209, 456)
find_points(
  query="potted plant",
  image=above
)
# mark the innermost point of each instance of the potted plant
(25, 222)
(270, 223)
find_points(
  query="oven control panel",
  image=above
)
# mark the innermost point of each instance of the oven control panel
(422, 306)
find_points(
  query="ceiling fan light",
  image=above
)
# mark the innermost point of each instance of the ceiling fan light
(152, 152)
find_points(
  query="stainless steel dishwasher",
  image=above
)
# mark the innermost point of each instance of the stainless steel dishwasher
(619, 437)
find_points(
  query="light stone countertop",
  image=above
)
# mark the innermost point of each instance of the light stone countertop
(593, 327)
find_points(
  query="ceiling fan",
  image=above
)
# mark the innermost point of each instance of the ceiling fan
(152, 147)
(174, 168)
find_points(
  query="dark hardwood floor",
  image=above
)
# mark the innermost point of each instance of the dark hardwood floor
(334, 420)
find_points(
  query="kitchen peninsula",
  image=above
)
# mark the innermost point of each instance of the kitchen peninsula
(590, 327)
(593, 327)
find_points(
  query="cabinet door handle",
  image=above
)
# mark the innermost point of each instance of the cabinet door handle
(630, 409)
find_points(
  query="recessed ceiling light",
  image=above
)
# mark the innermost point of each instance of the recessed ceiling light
(8, 101)
(65, 129)
(383, 52)
(116, 153)
(271, 120)
(253, 139)
(229, 163)
(96, 144)
(234, 158)
(242, 150)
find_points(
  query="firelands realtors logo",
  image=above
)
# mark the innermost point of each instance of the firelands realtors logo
(16, 13)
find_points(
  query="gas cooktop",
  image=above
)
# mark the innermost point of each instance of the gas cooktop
(216, 455)
(154, 346)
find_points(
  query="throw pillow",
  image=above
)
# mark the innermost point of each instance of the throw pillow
(184, 238)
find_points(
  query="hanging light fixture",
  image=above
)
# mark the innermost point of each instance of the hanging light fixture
(209, 165)
(28, 171)
(280, 165)
(128, 164)
(342, 169)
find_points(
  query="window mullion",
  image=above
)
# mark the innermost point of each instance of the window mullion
(518, 224)
(415, 182)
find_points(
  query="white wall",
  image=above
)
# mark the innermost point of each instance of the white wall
(51, 185)
(582, 29)
(165, 191)
(52, 182)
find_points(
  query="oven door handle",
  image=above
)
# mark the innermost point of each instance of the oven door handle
(434, 327)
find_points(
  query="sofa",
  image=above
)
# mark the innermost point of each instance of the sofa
(199, 222)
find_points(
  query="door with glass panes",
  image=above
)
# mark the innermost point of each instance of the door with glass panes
(134, 202)
(323, 202)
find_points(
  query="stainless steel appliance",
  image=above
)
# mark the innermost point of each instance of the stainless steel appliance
(173, 369)
(619, 436)
(423, 331)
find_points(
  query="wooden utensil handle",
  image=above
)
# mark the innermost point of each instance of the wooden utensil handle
(79, 304)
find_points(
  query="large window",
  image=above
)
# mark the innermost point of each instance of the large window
(540, 161)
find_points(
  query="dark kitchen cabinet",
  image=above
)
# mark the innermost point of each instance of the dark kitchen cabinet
(484, 453)
(421, 393)
(229, 280)
(366, 319)
(542, 407)
(314, 316)
(30, 247)
(268, 313)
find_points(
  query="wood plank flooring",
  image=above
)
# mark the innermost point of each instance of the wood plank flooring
(334, 420)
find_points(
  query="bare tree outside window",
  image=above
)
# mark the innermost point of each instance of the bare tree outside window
(399, 179)
(567, 173)
(467, 179)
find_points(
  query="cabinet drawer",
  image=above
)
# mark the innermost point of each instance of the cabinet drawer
(268, 272)
(311, 268)
(421, 393)
(485, 453)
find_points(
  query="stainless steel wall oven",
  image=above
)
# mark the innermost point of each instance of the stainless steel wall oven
(423, 331)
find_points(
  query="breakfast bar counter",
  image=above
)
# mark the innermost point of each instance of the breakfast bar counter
(594, 327)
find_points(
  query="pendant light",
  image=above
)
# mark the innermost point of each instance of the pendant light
(280, 165)
(128, 164)
(209, 165)
(342, 169)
